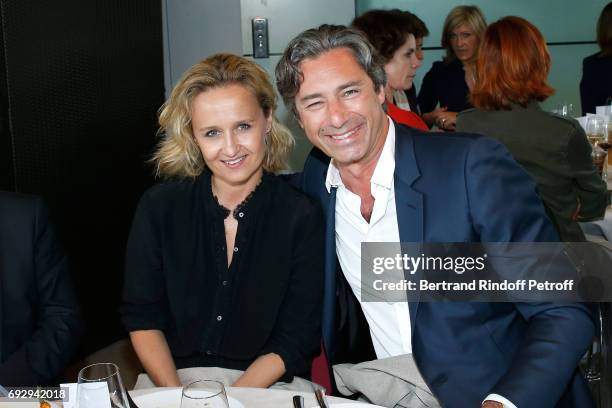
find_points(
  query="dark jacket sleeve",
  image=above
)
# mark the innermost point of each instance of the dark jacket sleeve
(558, 333)
(58, 326)
(588, 87)
(428, 96)
(296, 337)
(145, 304)
(591, 189)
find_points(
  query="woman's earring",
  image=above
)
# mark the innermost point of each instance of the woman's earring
(266, 136)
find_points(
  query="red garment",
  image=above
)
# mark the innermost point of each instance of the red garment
(405, 117)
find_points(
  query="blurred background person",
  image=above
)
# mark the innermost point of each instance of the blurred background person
(392, 33)
(40, 324)
(446, 86)
(224, 261)
(596, 83)
(420, 32)
(513, 65)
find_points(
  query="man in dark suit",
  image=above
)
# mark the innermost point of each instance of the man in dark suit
(386, 182)
(596, 83)
(39, 319)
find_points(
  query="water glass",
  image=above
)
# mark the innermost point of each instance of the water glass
(567, 109)
(97, 382)
(204, 394)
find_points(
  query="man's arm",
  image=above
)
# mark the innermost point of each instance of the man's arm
(58, 326)
(506, 208)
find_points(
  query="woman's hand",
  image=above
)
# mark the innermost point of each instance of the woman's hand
(152, 350)
(446, 120)
(263, 372)
(442, 118)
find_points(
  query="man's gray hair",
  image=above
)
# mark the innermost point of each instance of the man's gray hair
(316, 41)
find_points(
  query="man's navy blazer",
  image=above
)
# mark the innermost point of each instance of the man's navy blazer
(468, 189)
(40, 324)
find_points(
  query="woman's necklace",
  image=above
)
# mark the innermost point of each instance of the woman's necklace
(470, 76)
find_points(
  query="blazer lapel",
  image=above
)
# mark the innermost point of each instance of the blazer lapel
(313, 183)
(408, 201)
(329, 293)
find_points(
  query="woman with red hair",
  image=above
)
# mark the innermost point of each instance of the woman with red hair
(512, 67)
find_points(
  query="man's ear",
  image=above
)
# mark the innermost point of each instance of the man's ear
(381, 94)
(297, 118)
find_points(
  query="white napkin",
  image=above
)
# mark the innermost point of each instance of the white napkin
(603, 110)
(98, 395)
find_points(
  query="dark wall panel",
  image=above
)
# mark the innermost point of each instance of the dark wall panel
(85, 79)
(7, 180)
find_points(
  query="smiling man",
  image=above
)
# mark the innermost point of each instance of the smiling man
(386, 182)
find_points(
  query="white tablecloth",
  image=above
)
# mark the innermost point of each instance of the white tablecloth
(264, 398)
(249, 397)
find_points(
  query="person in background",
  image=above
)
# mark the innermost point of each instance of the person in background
(445, 88)
(224, 259)
(513, 65)
(391, 32)
(420, 32)
(40, 323)
(596, 83)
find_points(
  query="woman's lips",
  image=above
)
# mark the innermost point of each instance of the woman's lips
(234, 162)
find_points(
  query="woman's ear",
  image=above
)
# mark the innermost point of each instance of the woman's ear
(269, 123)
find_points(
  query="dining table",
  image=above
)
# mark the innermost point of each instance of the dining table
(170, 397)
(244, 398)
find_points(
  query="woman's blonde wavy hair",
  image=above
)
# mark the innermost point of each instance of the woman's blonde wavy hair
(178, 153)
(470, 15)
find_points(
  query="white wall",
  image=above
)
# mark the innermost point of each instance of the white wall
(195, 29)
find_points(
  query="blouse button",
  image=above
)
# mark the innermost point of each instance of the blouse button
(235, 249)
(219, 318)
(224, 283)
(241, 214)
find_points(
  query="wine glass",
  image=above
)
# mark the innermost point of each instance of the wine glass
(596, 130)
(97, 382)
(204, 394)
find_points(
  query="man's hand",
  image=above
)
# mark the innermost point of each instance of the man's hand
(492, 404)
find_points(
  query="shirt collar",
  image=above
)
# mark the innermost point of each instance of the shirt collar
(385, 167)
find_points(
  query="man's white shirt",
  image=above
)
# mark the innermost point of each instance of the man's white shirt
(389, 322)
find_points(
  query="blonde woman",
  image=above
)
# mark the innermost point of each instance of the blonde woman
(446, 86)
(224, 261)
